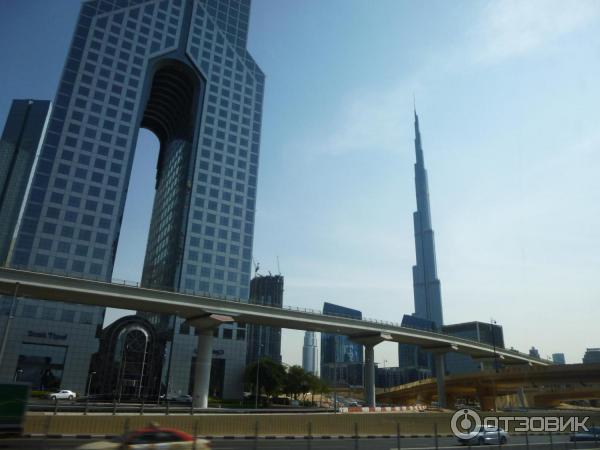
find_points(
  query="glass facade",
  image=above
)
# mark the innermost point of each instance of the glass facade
(265, 341)
(129, 361)
(309, 353)
(341, 358)
(414, 363)
(179, 68)
(487, 333)
(19, 146)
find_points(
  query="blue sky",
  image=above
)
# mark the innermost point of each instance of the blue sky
(508, 97)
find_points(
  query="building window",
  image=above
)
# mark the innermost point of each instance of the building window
(240, 335)
(67, 315)
(48, 313)
(29, 311)
(86, 317)
(227, 333)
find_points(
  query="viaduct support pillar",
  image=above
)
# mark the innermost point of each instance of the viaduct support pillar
(202, 368)
(370, 341)
(370, 374)
(440, 372)
(205, 325)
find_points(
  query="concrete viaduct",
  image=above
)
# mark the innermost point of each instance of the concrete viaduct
(205, 313)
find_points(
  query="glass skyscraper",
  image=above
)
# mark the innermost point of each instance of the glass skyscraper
(263, 340)
(309, 352)
(179, 68)
(488, 333)
(341, 358)
(19, 146)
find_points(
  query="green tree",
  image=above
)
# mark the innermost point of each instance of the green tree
(296, 382)
(271, 376)
(323, 388)
(314, 385)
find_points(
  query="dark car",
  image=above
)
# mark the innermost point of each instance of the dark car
(592, 434)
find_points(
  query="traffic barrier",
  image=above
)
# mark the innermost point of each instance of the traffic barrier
(380, 409)
(369, 423)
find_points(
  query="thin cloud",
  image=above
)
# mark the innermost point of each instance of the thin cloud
(511, 28)
(368, 121)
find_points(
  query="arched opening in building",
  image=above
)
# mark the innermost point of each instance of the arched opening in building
(166, 135)
(152, 228)
(171, 114)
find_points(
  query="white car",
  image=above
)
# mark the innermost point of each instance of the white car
(63, 395)
(485, 435)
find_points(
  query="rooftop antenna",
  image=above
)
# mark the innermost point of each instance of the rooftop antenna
(256, 267)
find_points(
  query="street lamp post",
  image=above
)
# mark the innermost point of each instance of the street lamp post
(90, 383)
(258, 369)
(335, 374)
(124, 363)
(493, 331)
(492, 323)
(385, 375)
(11, 314)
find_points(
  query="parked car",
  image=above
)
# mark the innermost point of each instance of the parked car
(152, 437)
(63, 395)
(183, 399)
(485, 435)
(592, 434)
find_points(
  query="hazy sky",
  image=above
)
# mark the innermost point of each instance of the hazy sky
(509, 99)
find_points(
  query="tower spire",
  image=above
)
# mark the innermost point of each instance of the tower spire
(426, 286)
(418, 148)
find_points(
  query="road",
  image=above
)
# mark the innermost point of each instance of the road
(515, 443)
(78, 407)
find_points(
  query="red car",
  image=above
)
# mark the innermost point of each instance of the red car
(151, 438)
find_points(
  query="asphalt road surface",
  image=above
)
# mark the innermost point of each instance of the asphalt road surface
(515, 443)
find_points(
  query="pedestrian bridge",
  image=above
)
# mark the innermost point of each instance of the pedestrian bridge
(206, 312)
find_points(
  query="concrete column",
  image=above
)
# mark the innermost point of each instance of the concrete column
(522, 398)
(202, 368)
(440, 372)
(370, 374)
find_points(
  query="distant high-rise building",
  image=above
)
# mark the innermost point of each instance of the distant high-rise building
(487, 333)
(386, 377)
(558, 358)
(415, 363)
(341, 358)
(262, 340)
(426, 285)
(20, 143)
(592, 355)
(534, 352)
(309, 352)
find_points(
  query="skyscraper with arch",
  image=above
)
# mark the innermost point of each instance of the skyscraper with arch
(179, 68)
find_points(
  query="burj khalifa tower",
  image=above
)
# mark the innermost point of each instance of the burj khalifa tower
(426, 285)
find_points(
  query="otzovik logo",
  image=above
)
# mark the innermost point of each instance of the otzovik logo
(463, 422)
